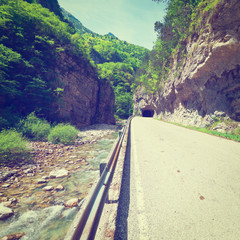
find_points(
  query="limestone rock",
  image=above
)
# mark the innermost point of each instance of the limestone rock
(5, 212)
(81, 99)
(71, 203)
(14, 236)
(59, 173)
(60, 188)
(48, 188)
(41, 180)
(208, 83)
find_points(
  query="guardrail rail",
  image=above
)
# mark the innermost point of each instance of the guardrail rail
(87, 225)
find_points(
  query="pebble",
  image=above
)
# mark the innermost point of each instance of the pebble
(5, 185)
(60, 188)
(48, 188)
(29, 170)
(42, 181)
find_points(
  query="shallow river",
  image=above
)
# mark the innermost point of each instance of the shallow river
(41, 215)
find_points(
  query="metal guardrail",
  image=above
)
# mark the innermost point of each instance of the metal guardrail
(89, 220)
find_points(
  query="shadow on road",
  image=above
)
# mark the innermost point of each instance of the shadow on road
(124, 199)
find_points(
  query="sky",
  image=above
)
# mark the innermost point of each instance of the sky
(129, 20)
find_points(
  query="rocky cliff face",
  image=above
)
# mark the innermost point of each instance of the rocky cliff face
(207, 85)
(85, 99)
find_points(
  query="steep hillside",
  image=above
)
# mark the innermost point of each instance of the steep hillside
(44, 67)
(52, 5)
(201, 82)
(116, 60)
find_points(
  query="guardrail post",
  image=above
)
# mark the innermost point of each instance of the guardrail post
(120, 134)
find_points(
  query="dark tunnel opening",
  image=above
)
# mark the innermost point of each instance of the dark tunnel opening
(147, 113)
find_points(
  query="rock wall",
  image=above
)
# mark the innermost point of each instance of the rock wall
(207, 85)
(86, 99)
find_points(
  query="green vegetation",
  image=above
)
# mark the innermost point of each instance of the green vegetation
(31, 42)
(233, 135)
(116, 60)
(13, 148)
(32, 39)
(183, 18)
(63, 133)
(34, 128)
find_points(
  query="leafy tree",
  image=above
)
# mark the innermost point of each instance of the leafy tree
(32, 38)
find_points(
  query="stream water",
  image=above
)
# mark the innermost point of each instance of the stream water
(40, 214)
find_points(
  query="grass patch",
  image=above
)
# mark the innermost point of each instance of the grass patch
(34, 128)
(13, 148)
(63, 133)
(234, 135)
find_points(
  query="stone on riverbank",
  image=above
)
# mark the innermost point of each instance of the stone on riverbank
(60, 188)
(5, 212)
(14, 236)
(59, 173)
(71, 203)
(48, 188)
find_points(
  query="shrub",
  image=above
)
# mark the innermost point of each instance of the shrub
(236, 131)
(35, 128)
(63, 133)
(13, 148)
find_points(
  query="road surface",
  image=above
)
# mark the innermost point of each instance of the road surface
(179, 184)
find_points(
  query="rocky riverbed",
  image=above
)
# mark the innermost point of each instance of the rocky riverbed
(53, 184)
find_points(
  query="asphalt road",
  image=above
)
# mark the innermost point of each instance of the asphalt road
(179, 184)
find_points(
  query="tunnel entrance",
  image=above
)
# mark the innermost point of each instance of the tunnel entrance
(147, 113)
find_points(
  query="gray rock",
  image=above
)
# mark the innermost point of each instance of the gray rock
(71, 203)
(60, 188)
(41, 180)
(5, 176)
(48, 188)
(59, 173)
(221, 127)
(14, 236)
(5, 212)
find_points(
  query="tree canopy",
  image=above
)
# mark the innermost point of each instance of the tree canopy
(31, 39)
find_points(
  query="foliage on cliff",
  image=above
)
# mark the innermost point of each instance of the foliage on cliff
(116, 60)
(182, 19)
(32, 38)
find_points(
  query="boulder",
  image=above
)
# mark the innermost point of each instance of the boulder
(71, 203)
(5, 212)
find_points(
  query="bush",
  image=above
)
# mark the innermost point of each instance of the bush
(63, 133)
(13, 148)
(35, 128)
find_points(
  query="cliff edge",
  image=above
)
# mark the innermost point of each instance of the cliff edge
(205, 83)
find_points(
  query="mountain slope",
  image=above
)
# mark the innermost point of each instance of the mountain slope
(44, 67)
(116, 60)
